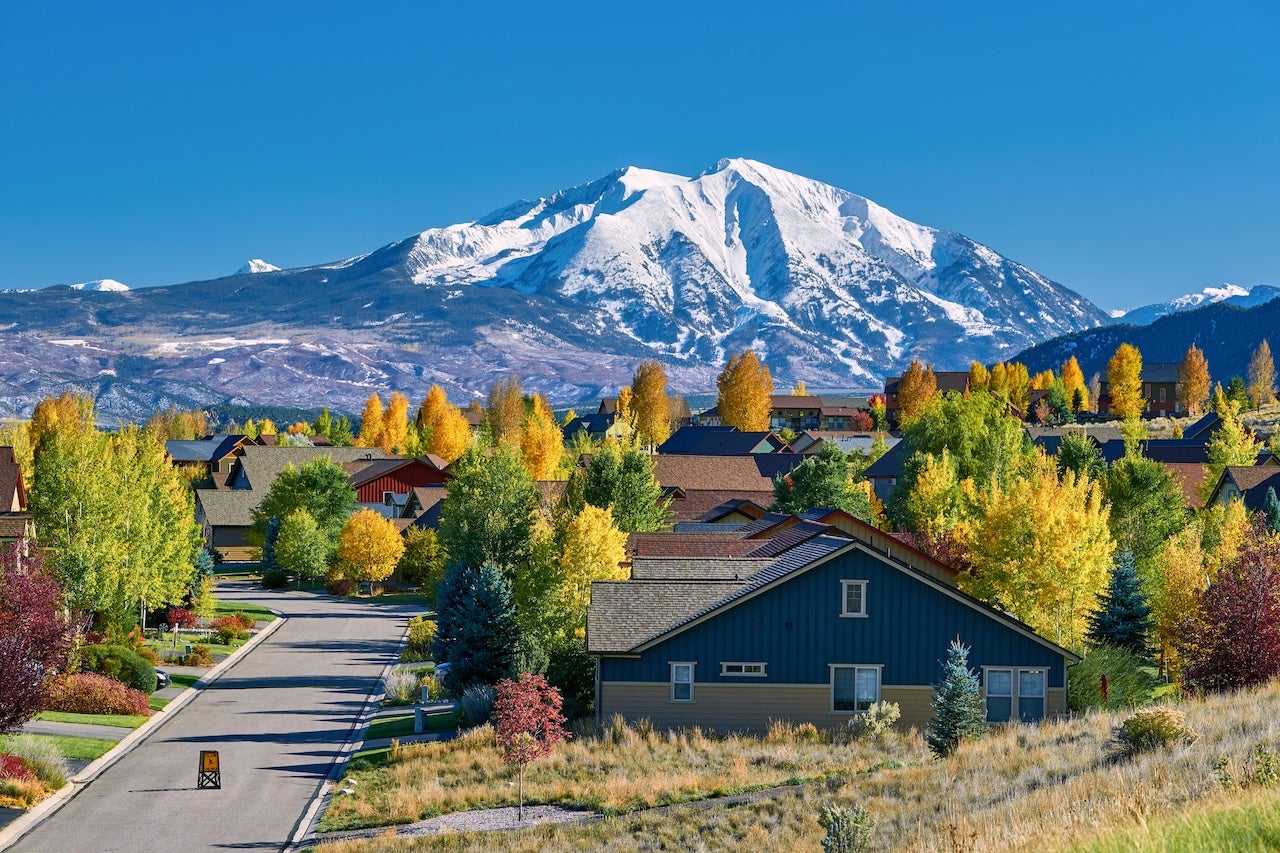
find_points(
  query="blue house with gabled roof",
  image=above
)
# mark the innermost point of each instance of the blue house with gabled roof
(830, 627)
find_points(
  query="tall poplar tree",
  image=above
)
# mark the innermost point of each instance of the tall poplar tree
(745, 391)
(370, 423)
(541, 443)
(1124, 376)
(916, 387)
(651, 404)
(506, 411)
(395, 424)
(1193, 380)
(1077, 390)
(1262, 376)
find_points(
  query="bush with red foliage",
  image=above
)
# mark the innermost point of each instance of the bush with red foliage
(1234, 640)
(861, 422)
(179, 617)
(90, 693)
(527, 721)
(13, 767)
(228, 629)
(34, 633)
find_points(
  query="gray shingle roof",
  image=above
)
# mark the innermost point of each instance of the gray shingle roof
(728, 569)
(227, 507)
(615, 622)
(261, 465)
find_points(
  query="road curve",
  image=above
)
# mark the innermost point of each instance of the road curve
(278, 718)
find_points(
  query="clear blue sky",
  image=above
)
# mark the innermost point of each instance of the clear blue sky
(1128, 150)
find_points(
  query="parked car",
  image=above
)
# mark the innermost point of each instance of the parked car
(162, 679)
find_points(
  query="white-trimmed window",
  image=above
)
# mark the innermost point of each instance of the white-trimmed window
(853, 598)
(753, 669)
(854, 688)
(681, 681)
(1015, 693)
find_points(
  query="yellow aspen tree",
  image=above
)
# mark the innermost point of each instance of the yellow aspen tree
(1175, 593)
(450, 434)
(1262, 376)
(651, 404)
(1073, 381)
(432, 405)
(299, 428)
(541, 443)
(1124, 376)
(369, 546)
(917, 387)
(71, 410)
(1193, 380)
(506, 411)
(998, 383)
(593, 550)
(266, 426)
(745, 390)
(1225, 529)
(1019, 385)
(800, 390)
(1231, 444)
(395, 424)
(624, 414)
(370, 423)
(979, 377)
(1042, 380)
(1041, 549)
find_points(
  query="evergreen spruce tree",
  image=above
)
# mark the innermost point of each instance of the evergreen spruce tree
(1124, 619)
(959, 712)
(476, 632)
(1271, 510)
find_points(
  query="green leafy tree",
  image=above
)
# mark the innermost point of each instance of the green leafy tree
(302, 548)
(490, 509)
(1123, 618)
(1129, 684)
(320, 487)
(422, 564)
(623, 481)
(1147, 506)
(1237, 392)
(1231, 444)
(821, 480)
(1079, 454)
(1271, 510)
(959, 712)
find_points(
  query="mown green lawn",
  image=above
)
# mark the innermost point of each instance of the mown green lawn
(257, 611)
(124, 721)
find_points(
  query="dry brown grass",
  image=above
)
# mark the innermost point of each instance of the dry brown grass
(1038, 787)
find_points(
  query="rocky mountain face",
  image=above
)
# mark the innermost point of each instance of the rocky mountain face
(569, 291)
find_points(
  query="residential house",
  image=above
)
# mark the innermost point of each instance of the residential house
(722, 441)
(213, 455)
(225, 514)
(811, 630)
(698, 484)
(884, 473)
(1247, 483)
(1159, 390)
(598, 427)
(15, 521)
(386, 485)
(796, 413)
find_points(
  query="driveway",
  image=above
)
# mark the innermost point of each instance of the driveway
(278, 718)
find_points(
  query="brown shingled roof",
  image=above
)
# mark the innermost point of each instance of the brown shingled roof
(13, 495)
(616, 624)
(692, 504)
(738, 474)
(661, 568)
(689, 546)
(1189, 476)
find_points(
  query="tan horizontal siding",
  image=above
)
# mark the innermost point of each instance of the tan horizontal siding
(240, 553)
(912, 701)
(1055, 702)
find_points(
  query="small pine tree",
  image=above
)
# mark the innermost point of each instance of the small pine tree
(1124, 618)
(476, 632)
(959, 712)
(1271, 510)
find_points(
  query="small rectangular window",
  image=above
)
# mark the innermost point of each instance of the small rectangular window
(681, 682)
(1015, 693)
(750, 669)
(1031, 683)
(853, 598)
(1162, 393)
(999, 695)
(854, 688)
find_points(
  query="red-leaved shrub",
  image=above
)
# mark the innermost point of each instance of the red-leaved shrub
(228, 629)
(90, 693)
(13, 767)
(180, 617)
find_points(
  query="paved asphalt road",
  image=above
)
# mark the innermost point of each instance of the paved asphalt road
(278, 717)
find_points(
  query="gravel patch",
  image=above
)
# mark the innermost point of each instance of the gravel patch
(481, 820)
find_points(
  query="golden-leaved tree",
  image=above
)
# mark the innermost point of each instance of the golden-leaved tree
(745, 390)
(395, 424)
(1175, 593)
(1193, 380)
(1262, 376)
(1041, 549)
(369, 546)
(916, 387)
(506, 411)
(651, 404)
(593, 550)
(1073, 381)
(1231, 444)
(431, 407)
(542, 443)
(979, 377)
(370, 423)
(1124, 376)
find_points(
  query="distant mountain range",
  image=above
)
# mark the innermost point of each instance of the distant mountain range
(1232, 294)
(569, 291)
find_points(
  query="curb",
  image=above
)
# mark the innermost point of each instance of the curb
(77, 783)
(305, 827)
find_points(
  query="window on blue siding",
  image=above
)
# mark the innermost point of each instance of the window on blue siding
(1015, 693)
(734, 668)
(682, 682)
(854, 688)
(853, 598)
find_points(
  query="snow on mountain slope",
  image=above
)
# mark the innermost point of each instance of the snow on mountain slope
(257, 265)
(106, 285)
(745, 252)
(1232, 294)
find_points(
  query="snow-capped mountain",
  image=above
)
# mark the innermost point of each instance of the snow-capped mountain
(257, 265)
(571, 292)
(1233, 294)
(105, 285)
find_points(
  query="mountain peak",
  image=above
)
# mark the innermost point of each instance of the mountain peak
(257, 265)
(105, 285)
